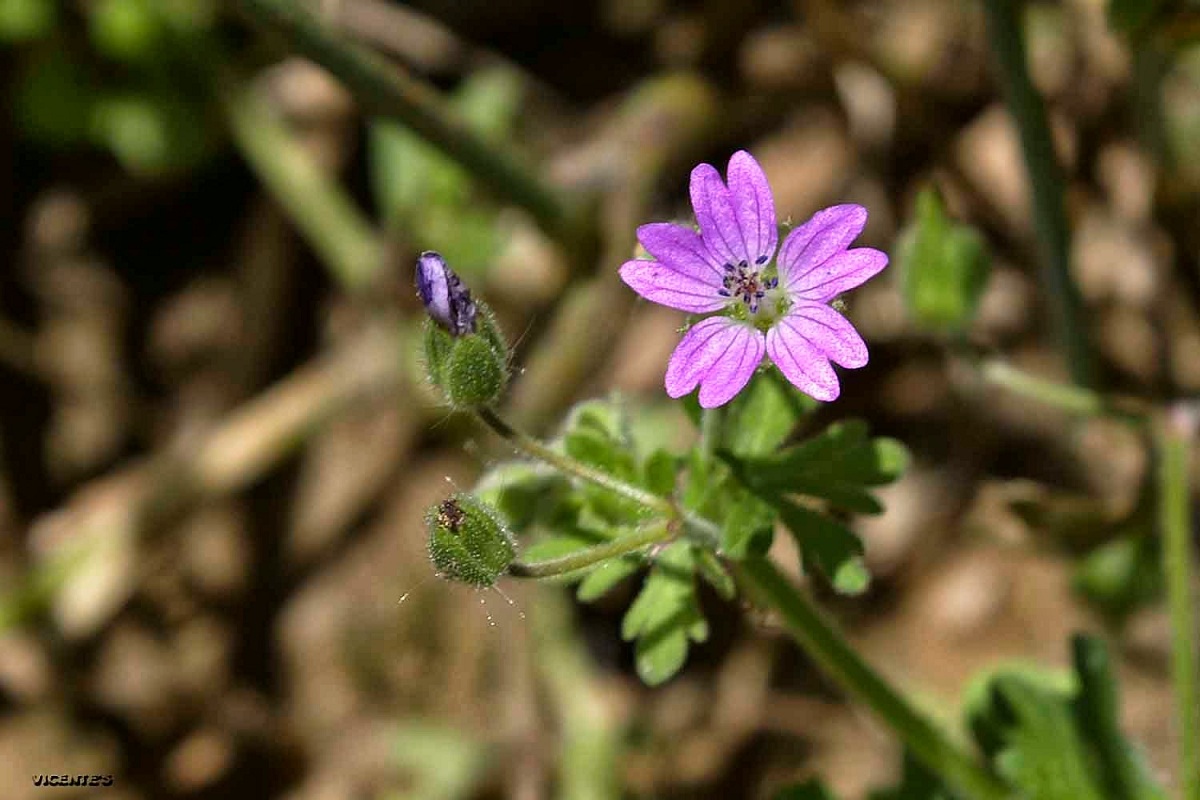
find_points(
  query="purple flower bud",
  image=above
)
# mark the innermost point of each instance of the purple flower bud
(447, 301)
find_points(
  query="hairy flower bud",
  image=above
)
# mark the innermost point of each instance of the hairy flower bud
(468, 541)
(447, 300)
(465, 354)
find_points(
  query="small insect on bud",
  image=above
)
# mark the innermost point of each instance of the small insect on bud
(468, 542)
(465, 354)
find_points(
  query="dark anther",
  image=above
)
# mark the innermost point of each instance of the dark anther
(743, 265)
(730, 267)
(760, 260)
(723, 292)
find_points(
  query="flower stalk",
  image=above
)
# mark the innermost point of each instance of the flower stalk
(1175, 521)
(1045, 180)
(532, 447)
(826, 646)
(656, 533)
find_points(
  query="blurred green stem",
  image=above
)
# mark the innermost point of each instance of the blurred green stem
(385, 89)
(1175, 519)
(325, 215)
(1073, 399)
(656, 532)
(590, 744)
(825, 645)
(1045, 180)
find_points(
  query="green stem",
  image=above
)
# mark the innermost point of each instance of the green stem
(386, 90)
(1073, 399)
(825, 645)
(701, 530)
(1045, 180)
(532, 447)
(1175, 520)
(571, 562)
(324, 214)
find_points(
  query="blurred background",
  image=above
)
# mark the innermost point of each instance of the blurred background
(216, 444)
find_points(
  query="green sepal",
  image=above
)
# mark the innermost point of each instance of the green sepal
(471, 370)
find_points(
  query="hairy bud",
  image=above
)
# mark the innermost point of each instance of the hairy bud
(465, 354)
(468, 541)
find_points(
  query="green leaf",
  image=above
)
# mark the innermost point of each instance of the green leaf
(834, 465)
(943, 265)
(715, 574)
(832, 548)
(748, 527)
(1023, 719)
(812, 789)
(418, 189)
(659, 473)
(125, 30)
(1122, 575)
(525, 493)
(54, 97)
(916, 783)
(149, 133)
(601, 580)
(760, 418)
(25, 20)
(1124, 772)
(665, 616)
(439, 763)
(660, 654)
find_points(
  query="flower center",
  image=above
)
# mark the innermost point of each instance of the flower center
(746, 283)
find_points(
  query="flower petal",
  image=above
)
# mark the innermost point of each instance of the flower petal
(802, 362)
(681, 249)
(829, 332)
(753, 206)
(714, 212)
(720, 355)
(840, 274)
(660, 284)
(828, 232)
(733, 370)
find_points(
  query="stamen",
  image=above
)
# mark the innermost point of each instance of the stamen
(723, 292)
(761, 260)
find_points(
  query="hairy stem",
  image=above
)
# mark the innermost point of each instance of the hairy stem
(1045, 180)
(386, 90)
(571, 562)
(1175, 520)
(825, 645)
(532, 447)
(701, 530)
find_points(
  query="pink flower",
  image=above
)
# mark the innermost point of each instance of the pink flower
(774, 304)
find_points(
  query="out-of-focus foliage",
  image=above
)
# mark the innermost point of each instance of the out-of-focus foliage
(1122, 575)
(427, 195)
(943, 265)
(444, 763)
(120, 88)
(1056, 737)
